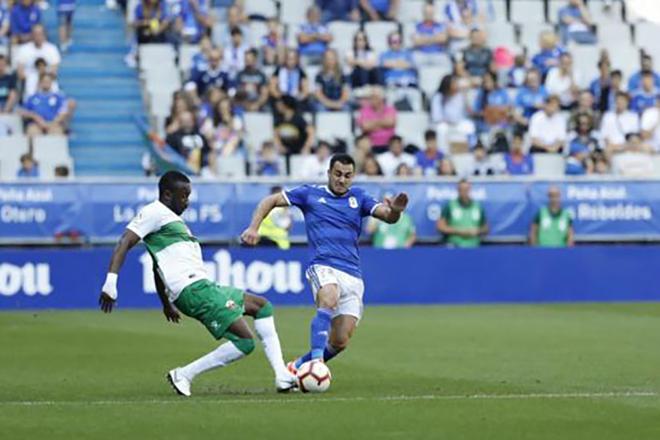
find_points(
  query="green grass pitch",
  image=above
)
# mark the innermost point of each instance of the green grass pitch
(589, 371)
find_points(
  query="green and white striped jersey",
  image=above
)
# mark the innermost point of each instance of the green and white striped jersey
(175, 250)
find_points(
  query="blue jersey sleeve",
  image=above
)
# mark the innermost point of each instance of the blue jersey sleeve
(368, 205)
(297, 196)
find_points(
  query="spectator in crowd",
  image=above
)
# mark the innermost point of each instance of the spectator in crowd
(552, 225)
(429, 158)
(293, 135)
(617, 124)
(37, 47)
(530, 98)
(252, 82)
(65, 10)
(395, 156)
(362, 61)
(446, 168)
(492, 106)
(370, 166)
(313, 37)
(377, 10)
(518, 163)
(234, 55)
(339, 10)
(463, 220)
(62, 172)
(462, 16)
(575, 23)
(224, 131)
(200, 60)
(362, 148)
(151, 21)
(273, 49)
(332, 91)
(547, 128)
(548, 57)
(31, 76)
(563, 81)
(194, 20)
(601, 162)
(585, 105)
(602, 83)
(517, 75)
(290, 79)
(651, 125)
(181, 103)
(8, 93)
(29, 168)
(316, 166)
(377, 120)
(274, 230)
(399, 72)
(478, 58)
(25, 14)
(403, 170)
(214, 76)
(235, 18)
(450, 113)
(646, 95)
(47, 112)
(635, 144)
(485, 165)
(646, 64)
(268, 161)
(430, 39)
(189, 142)
(581, 146)
(463, 77)
(399, 235)
(633, 160)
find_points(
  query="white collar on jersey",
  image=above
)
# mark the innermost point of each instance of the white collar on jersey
(333, 194)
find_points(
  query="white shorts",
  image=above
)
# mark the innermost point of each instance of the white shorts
(351, 289)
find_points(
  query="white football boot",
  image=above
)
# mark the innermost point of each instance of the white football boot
(179, 382)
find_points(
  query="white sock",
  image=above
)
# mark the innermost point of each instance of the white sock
(265, 328)
(220, 357)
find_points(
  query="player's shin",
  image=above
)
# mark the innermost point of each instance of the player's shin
(329, 352)
(222, 356)
(320, 331)
(264, 325)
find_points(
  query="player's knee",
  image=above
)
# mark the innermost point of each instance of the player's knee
(246, 345)
(328, 297)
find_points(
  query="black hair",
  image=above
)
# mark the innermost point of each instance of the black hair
(253, 51)
(289, 102)
(235, 30)
(275, 189)
(342, 158)
(367, 46)
(395, 138)
(429, 135)
(647, 73)
(616, 72)
(170, 180)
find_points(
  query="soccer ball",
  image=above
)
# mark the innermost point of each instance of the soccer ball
(314, 377)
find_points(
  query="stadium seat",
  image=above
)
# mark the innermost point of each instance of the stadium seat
(186, 53)
(525, 11)
(430, 77)
(501, 34)
(646, 34)
(377, 31)
(297, 161)
(11, 149)
(231, 166)
(585, 61)
(47, 169)
(50, 149)
(412, 12)
(529, 34)
(656, 164)
(258, 128)
(155, 56)
(613, 34)
(160, 103)
(292, 12)
(463, 164)
(614, 15)
(263, 8)
(548, 165)
(162, 81)
(13, 122)
(496, 11)
(334, 125)
(257, 30)
(411, 127)
(553, 10)
(342, 36)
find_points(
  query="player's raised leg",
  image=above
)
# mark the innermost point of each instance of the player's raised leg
(264, 324)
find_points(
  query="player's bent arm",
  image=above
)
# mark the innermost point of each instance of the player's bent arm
(251, 235)
(125, 243)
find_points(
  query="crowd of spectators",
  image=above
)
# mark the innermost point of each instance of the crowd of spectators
(498, 105)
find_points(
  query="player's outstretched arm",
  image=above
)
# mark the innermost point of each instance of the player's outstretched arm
(251, 235)
(390, 210)
(109, 290)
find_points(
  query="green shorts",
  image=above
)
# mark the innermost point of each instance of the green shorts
(214, 306)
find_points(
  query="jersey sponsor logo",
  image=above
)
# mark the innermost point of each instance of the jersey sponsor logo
(31, 279)
(352, 202)
(230, 304)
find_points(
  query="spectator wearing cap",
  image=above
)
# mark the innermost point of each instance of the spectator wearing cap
(362, 62)
(618, 123)
(478, 58)
(429, 158)
(151, 21)
(581, 146)
(234, 55)
(194, 20)
(47, 112)
(390, 160)
(332, 90)
(563, 81)
(25, 14)
(316, 165)
(189, 142)
(650, 125)
(290, 79)
(29, 168)
(293, 135)
(313, 37)
(213, 77)
(517, 162)
(378, 10)
(273, 49)
(646, 95)
(547, 128)
(575, 23)
(37, 47)
(377, 120)
(530, 98)
(450, 113)
(548, 56)
(430, 39)
(8, 93)
(252, 82)
(339, 10)
(492, 106)
(646, 64)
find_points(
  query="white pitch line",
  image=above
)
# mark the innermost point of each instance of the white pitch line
(308, 399)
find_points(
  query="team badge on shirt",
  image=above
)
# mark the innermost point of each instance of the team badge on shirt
(352, 202)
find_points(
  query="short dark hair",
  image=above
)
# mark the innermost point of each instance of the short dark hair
(253, 51)
(622, 94)
(289, 102)
(616, 72)
(342, 158)
(276, 189)
(395, 138)
(430, 135)
(170, 180)
(647, 73)
(235, 30)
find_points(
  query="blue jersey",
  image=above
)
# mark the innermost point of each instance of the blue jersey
(46, 104)
(22, 18)
(333, 224)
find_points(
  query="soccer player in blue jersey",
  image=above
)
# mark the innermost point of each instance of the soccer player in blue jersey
(333, 219)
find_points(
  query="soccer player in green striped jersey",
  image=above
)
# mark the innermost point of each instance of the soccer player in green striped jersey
(183, 285)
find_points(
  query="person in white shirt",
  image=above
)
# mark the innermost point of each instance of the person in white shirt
(617, 124)
(390, 160)
(39, 47)
(562, 81)
(651, 126)
(316, 165)
(234, 54)
(548, 128)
